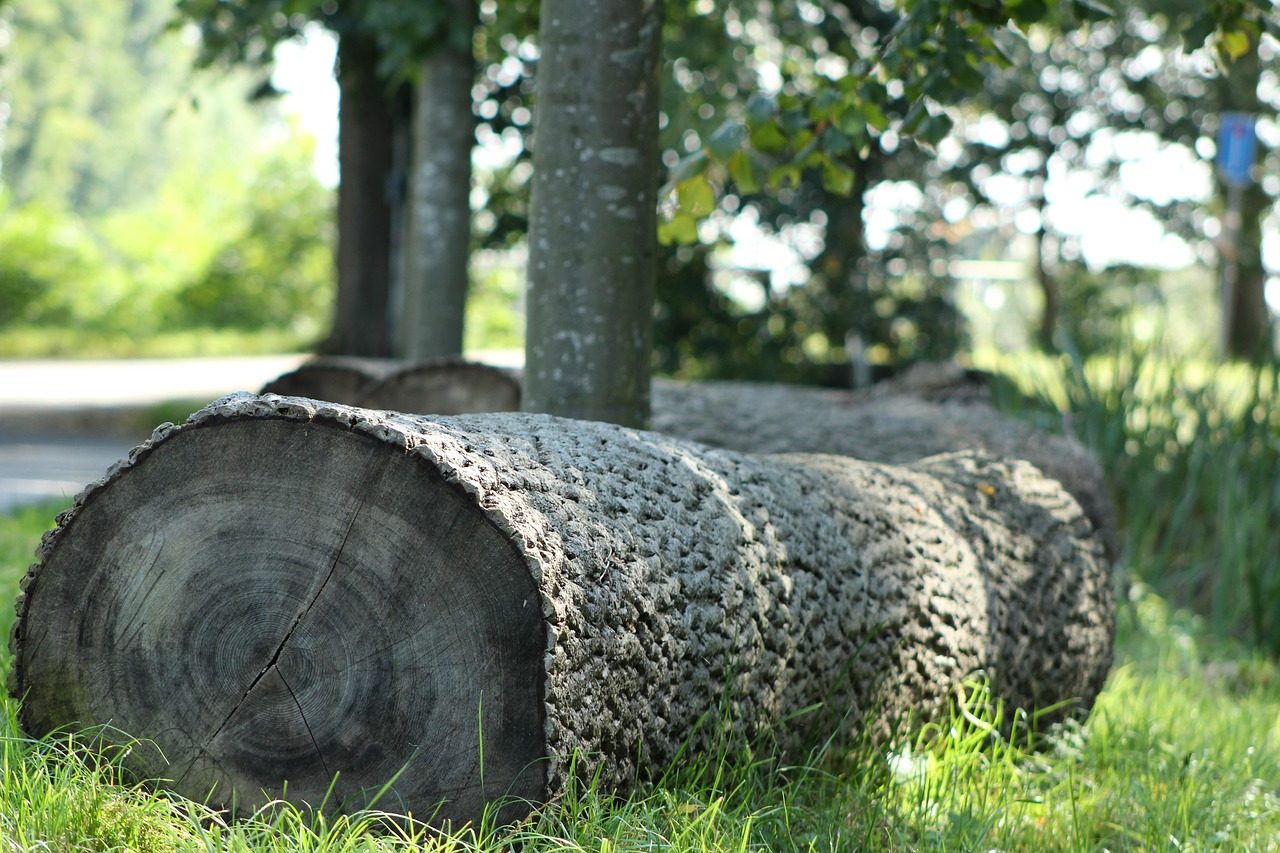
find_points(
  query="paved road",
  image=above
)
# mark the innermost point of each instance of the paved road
(63, 423)
(57, 417)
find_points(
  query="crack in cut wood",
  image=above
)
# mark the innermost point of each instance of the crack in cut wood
(333, 566)
(302, 715)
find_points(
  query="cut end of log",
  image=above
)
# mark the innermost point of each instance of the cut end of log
(277, 601)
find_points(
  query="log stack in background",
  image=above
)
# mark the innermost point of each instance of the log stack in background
(441, 386)
(280, 590)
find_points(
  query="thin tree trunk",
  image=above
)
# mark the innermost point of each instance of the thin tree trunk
(438, 237)
(842, 265)
(366, 130)
(1247, 322)
(1048, 289)
(592, 231)
(1246, 319)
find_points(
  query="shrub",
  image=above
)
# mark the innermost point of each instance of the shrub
(46, 258)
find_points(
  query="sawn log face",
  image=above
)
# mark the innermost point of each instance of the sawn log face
(284, 587)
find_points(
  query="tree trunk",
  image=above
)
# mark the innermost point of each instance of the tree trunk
(281, 591)
(438, 237)
(1246, 320)
(366, 129)
(1048, 288)
(930, 409)
(842, 266)
(593, 224)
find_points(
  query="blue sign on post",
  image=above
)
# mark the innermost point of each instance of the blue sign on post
(1237, 140)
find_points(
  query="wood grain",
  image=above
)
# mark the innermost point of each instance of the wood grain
(271, 600)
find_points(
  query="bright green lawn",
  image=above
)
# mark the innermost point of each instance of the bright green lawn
(1181, 753)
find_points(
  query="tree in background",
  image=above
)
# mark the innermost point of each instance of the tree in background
(437, 236)
(384, 48)
(406, 73)
(1072, 111)
(888, 299)
(73, 71)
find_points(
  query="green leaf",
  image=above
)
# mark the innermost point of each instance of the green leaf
(687, 167)
(914, 116)
(768, 137)
(934, 129)
(786, 173)
(835, 142)
(837, 178)
(696, 196)
(794, 120)
(809, 155)
(743, 170)
(825, 103)
(760, 108)
(681, 229)
(727, 139)
(852, 121)
(1235, 43)
(874, 115)
(1029, 11)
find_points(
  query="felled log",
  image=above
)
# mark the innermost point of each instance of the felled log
(338, 379)
(921, 414)
(439, 386)
(445, 387)
(280, 591)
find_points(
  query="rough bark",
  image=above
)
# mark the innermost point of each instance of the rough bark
(438, 236)
(280, 590)
(440, 386)
(593, 222)
(923, 414)
(931, 409)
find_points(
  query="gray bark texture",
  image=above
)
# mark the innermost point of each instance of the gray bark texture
(665, 581)
(593, 220)
(438, 236)
(931, 409)
(927, 412)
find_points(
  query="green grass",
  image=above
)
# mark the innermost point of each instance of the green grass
(1182, 752)
(1192, 456)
